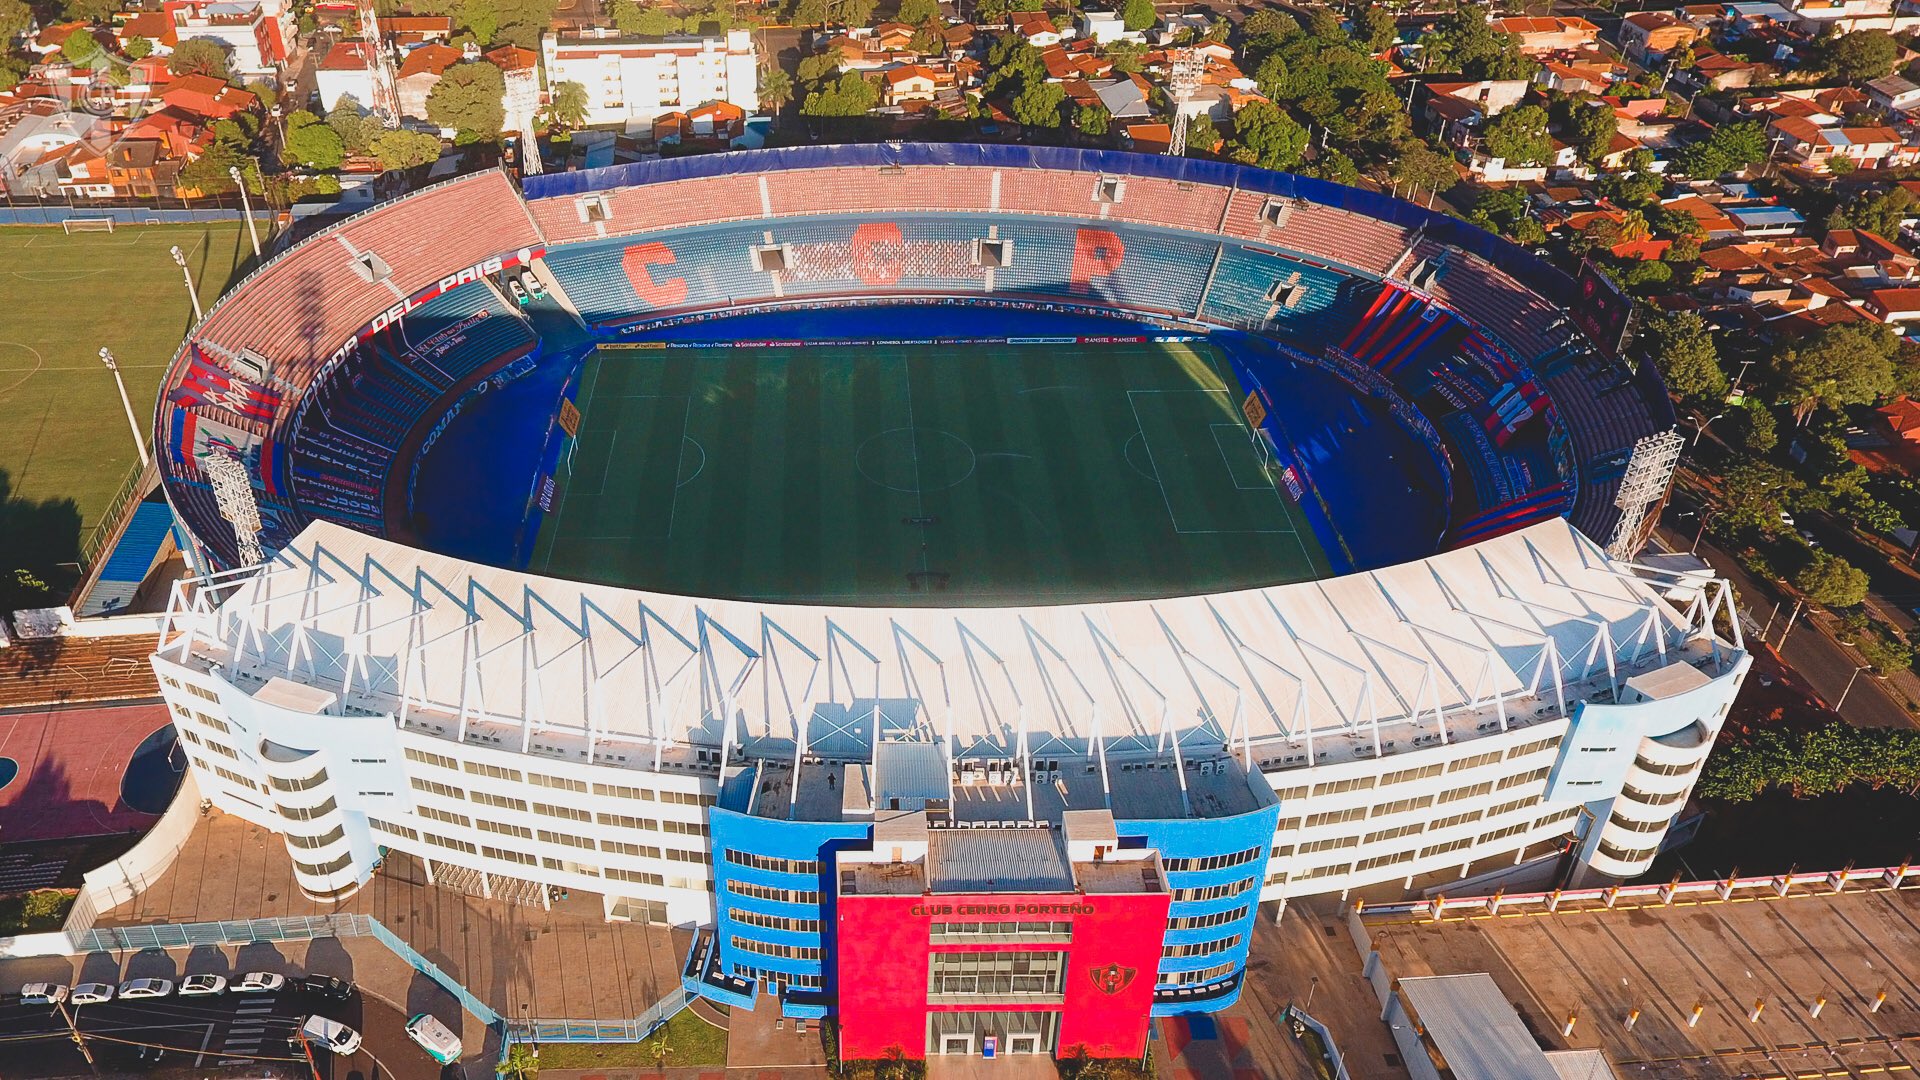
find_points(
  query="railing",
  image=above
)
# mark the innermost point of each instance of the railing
(379, 932)
(116, 514)
(239, 932)
(591, 1031)
(1779, 885)
(1328, 1051)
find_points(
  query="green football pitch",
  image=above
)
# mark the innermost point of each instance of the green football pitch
(938, 475)
(64, 446)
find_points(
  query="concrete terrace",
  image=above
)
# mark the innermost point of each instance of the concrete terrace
(524, 961)
(1813, 950)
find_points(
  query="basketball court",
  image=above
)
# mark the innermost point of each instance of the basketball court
(921, 474)
(84, 772)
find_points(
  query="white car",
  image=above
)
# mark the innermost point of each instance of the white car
(42, 994)
(145, 988)
(91, 993)
(203, 985)
(259, 982)
(332, 1034)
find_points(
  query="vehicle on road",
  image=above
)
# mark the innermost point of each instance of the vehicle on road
(203, 985)
(259, 982)
(91, 993)
(328, 987)
(332, 1034)
(435, 1038)
(145, 988)
(42, 994)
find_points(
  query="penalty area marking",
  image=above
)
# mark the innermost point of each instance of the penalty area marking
(1265, 482)
(1173, 517)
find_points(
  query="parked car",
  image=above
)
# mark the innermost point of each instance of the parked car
(435, 1038)
(259, 982)
(145, 988)
(332, 1034)
(42, 994)
(203, 985)
(326, 986)
(91, 993)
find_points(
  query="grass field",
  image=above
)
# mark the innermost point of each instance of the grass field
(63, 434)
(944, 475)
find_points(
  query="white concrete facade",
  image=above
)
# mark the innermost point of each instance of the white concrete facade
(355, 695)
(633, 81)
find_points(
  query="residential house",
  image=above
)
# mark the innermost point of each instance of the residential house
(253, 41)
(207, 97)
(632, 80)
(1895, 93)
(1125, 98)
(909, 82)
(140, 170)
(1904, 417)
(1895, 307)
(418, 74)
(343, 73)
(408, 31)
(1647, 37)
(1539, 35)
(521, 98)
(1037, 27)
(1862, 255)
(1803, 142)
(1152, 138)
(154, 27)
(41, 126)
(1105, 27)
(1456, 110)
(1766, 220)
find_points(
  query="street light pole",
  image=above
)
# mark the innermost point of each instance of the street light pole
(1705, 516)
(73, 1029)
(133, 424)
(180, 260)
(1700, 427)
(1849, 687)
(246, 207)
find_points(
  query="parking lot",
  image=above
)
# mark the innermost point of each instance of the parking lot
(230, 1034)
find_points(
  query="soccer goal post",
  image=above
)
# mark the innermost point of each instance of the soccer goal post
(87, 224)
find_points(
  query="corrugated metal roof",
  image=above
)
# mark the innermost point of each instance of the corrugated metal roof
(1476, 1028)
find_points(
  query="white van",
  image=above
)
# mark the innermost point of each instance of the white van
(435, 1038)
(332, 1034)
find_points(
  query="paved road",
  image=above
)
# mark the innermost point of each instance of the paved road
(1811, 653)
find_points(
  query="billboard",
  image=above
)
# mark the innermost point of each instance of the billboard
(1603, 311)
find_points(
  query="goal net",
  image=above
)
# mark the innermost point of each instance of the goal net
(93, 224)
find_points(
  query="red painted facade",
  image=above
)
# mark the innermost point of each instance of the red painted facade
(882, 945)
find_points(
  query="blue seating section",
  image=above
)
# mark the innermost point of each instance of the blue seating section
(1312, 313)
(353, 423)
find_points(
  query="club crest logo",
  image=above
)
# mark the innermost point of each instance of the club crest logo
(1113, 978)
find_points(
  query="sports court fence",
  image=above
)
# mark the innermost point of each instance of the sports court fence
(597, 1031)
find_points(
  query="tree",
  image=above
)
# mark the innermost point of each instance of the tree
(816, 69)
(208, 173)
(852, 95)
(1831, 581)
(467, 100)
(810, 12)
(635, 20)
(1590, 126)
(1093, 119)
(405, 149)
(1758, 433)
(1729, 147)
(1467, 42)
(1880, 213)
(15, 17)
(356, 130)
(916, 12)
(1137, 14)
(568, 104)
(1752, 496)
(1861, 55)
(1376, 28)
(81, 48)
(776, 88)
(854, 12)
(1682, 347)
(1038, 104)
(1519, 136)
(1335, 166)
(1202, 135)
(1419, 166)
(139, 49)
(88, 11)
(12, 70)
(1267, 137)
(1843, 364)
(521, 1063)
(312, 142)
(198, 56)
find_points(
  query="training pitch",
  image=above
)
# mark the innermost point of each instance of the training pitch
(63, 433)
(936, 475)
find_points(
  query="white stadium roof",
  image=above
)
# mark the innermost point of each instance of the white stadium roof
(1512, 628)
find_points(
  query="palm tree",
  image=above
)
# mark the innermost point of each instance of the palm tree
(522, 1063)
(776, 89)
(568, 109)
(659, 1051)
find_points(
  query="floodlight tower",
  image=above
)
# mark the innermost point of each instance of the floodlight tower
(383, 84)
(233, 491)
(1188, 66)
(1649, 471)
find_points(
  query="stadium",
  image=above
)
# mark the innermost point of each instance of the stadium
(963, 584)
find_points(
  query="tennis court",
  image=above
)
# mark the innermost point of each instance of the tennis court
(928, 474)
